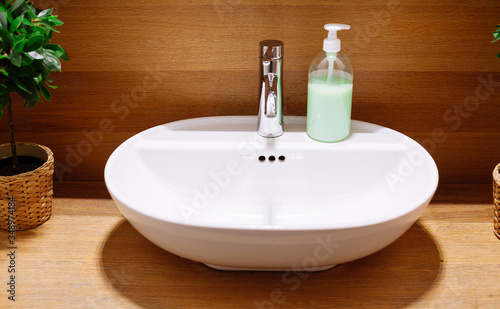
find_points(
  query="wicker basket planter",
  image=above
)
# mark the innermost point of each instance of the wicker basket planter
(496, 200)
(32, 191)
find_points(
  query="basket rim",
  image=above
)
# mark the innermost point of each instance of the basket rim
(49, 162)
(496, 174)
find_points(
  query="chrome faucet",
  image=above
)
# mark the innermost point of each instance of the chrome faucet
(270, 119)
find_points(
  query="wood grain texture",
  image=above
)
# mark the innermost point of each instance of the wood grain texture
(88, 256)
(419, 66)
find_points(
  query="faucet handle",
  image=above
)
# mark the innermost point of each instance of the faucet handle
(271, 49)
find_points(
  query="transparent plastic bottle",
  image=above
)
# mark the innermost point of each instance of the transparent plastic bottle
(329, 93)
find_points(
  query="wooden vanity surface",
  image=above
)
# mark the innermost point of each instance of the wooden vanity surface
(88, 256)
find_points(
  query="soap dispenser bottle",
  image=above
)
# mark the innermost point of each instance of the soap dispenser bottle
(329, 93)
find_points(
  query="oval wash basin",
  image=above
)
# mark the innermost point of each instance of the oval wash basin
(213, 191)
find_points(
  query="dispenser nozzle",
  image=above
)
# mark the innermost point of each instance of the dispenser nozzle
(332, 44)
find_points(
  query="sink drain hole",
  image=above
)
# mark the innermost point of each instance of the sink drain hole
(281, 158)
(272, 158)
(262, 158)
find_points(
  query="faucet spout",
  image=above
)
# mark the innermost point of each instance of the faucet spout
(270, 118)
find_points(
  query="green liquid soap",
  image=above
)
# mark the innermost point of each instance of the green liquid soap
(329, 101)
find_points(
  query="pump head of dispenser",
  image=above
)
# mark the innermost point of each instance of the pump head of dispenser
(332, 44)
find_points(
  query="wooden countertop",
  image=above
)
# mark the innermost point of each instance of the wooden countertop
(88, 256)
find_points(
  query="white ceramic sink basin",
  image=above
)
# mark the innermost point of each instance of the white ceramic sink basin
(207, 189)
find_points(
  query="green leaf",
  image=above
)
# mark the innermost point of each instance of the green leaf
(10, 19)
(20, 47)
(37, 30)
(56, 22)
(18, 38)
(57, 51)
(27, 59)
(27, 22)
(6, 38)
(16, 23)
(19, 42)
(15, 58)
(45, 13)
(51, 62)
(31, 103)
(496, 34)
(32, 12)
(31, 96)
(38, 79)
(34, 43)
(45, 92)
(3, 19)
(36, 55)
(19, 84)
(4, 90)
(48, 37)
(30, 99)
(16, 5)
(48, 27)
(22, 71)
(48, 85)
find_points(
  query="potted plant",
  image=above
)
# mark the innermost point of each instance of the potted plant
(496, 171)
(26, 59)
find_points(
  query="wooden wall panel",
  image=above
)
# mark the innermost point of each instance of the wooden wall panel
(418, 65)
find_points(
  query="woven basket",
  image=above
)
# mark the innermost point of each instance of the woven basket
(496, 200)
(32, 190)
